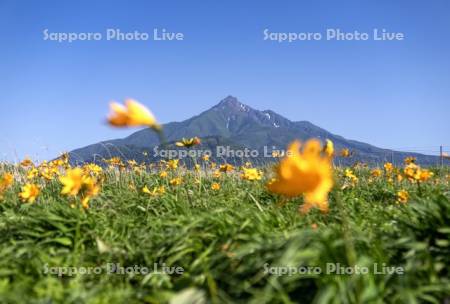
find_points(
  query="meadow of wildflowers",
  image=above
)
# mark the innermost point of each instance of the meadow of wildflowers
(268, 234)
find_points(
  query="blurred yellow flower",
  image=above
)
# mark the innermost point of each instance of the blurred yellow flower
(75, 181)
(216, 174)
(156, 190)
(412, 171)
(205, 157)
(226, 168)
(215, 186)
(376, 172)
(48, 172)
(132, 114)
(173, 163)
(388, 167)
(251, 174)
(305, 172)
(161, 189)
(91, 189)
(176, 181)
(410, 160)
(163, 174)
(402, 196)
(197, 167)
(329, 148)
(188, 143)
(6, 181)
(32, 173)
(425, 174)
(345, 152)
(72, 181)
(26, 162)
(92, 169)
(132, 163)
(349, 174)
(114, 162)
(29, 193)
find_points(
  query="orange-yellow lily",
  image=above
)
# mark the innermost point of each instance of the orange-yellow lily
(307, 172)
(132, 114)
(188, 143)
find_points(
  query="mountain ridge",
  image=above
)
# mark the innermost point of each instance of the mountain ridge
(242, 126)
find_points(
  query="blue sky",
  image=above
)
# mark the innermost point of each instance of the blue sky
(54, 96)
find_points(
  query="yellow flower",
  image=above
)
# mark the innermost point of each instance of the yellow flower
(29, 193)
(188, 143)
(132, 163)
(388, 167)
(412, 171)
(76, 181)
(215, 186)
(329, 148)
(226, 168)
(205, 157)
(133, 114)
(376, 172)
(48, 172)
(402, 196)
(64, 157)
(91, 189)
(163, 174)
(72, 181)
(161, 189)
(349, 174)
(213, 165)
(425, 175)
(6, 180)
(197, 167)
(32, 173)
(147, 191)
(248, 164)
(26, 162)
(410, 160)
(176, 181)
(173, 163)
(114, 162)
(251, 174)
(92, 169)
(216, 174)
(345, 152)
(305, 172)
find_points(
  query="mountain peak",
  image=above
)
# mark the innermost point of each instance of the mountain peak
(233, 104)
(235, 124)
(229, 100)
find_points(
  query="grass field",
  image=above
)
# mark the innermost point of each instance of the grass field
(232, 238)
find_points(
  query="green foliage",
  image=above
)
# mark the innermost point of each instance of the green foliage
(224, 240)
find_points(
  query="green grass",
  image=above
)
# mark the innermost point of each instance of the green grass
(223, 239)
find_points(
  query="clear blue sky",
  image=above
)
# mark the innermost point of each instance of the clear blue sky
(54, 96)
